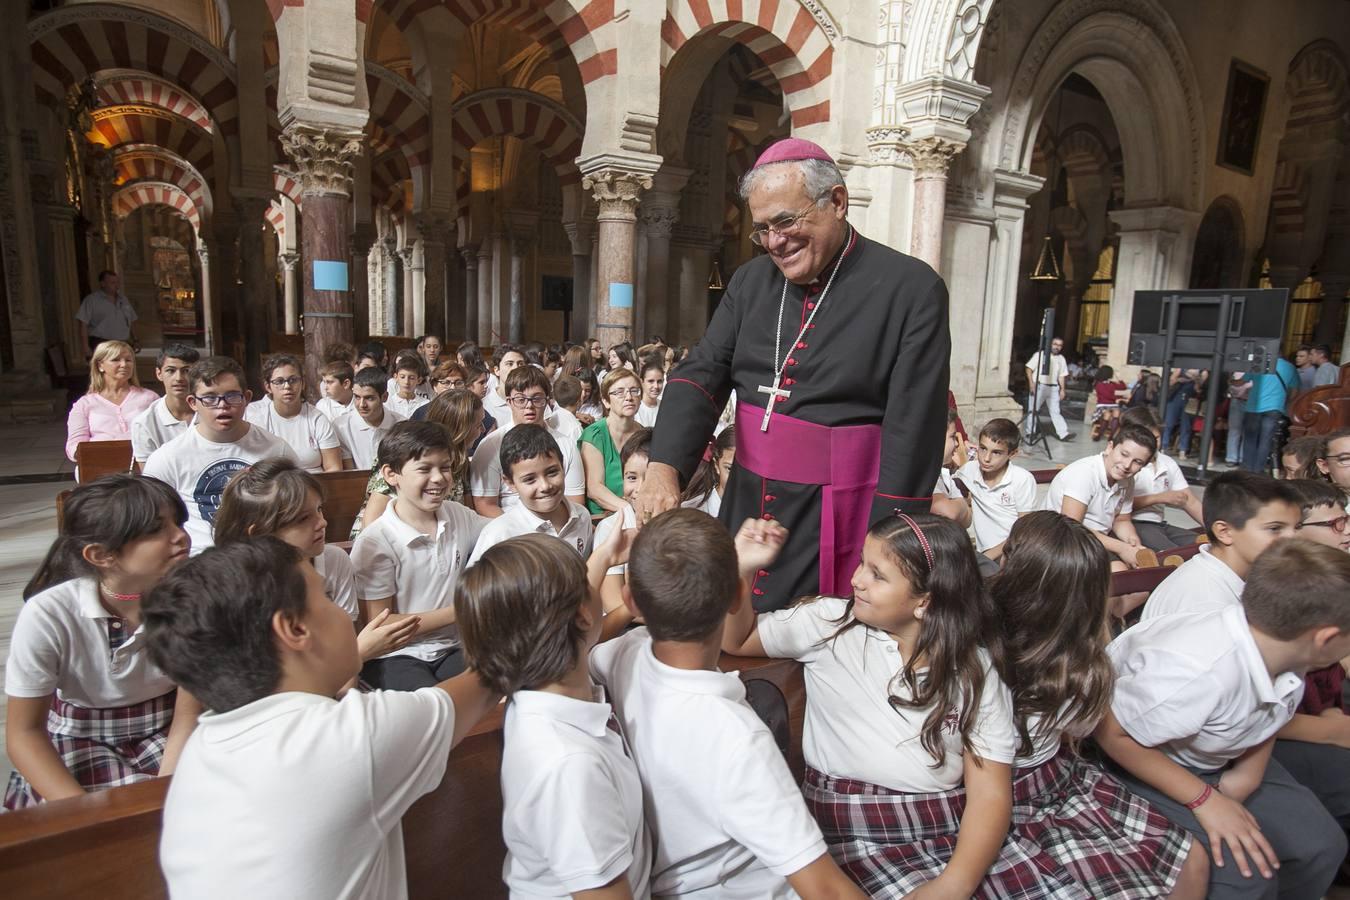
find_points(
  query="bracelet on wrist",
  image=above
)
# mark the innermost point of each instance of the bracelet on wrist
(1200, 800)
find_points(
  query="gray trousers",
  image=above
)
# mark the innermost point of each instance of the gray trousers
(1308, 842)
(1323, 769)
(408, 673)
(1160, 536)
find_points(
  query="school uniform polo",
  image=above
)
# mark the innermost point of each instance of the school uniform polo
(851, 730)
(563, 425)
(394, 559)
(333, 409)
(301, 796)
(1085, 480)
(1200, 584)
(485, 470)
(497, 406)
(995, 507)
(339, 577)
(422, 389)
(1159, 476)
(154, 428)
(575, 533)
(628, 518)
(65, 642)
(727, 816)
(571, 799)
(1195, 687)
(404, 408)
(307, 432)
(946, 485)
(360, 440)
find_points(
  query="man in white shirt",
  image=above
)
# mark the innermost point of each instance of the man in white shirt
(199, 463)
(361, 430)
(1327, 371)
(1047, 388)
(1000, 492)
(106, 314)
(170, 415)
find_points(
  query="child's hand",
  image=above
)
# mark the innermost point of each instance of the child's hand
(758, 544)
(386, 632)
(960, 453)
(1232, 784)
(1227, 821)
(614, 551)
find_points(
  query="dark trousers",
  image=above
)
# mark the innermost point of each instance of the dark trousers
(1258, 439)
(1323, 769)
(1160, 536)
(1307, 840)
(408, 673)
(1177, 422)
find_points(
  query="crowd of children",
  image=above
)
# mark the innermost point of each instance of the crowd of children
(972, 727)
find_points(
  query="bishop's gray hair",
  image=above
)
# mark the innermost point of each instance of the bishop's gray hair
(820, 176)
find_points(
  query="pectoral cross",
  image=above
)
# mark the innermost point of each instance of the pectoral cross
(775, 393)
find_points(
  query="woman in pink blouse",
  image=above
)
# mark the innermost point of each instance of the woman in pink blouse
(115, 398)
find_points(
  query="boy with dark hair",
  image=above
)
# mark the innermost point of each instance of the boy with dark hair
(1198, 701)
(361, 430)
(1323, 507)
(406, 387)
(336, 377)
(567, 392)
(1244, 514)
(691, 729)
(259, 806)
(169, 416)
(1098, 490)
(528, 392)
(1159, 485)
(409, 559)
(202, 460)
(999, 491)
(533, 466)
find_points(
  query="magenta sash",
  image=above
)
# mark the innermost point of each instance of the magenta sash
(843, 460)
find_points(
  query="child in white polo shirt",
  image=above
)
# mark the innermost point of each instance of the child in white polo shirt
(728, 818)
(406, 389)
(948, 500)
(532, 465)
(289, 787)
(1198, 701)
(336, 379)
(572, 799)
(1098, 491)
(1157, 486)
(409, 559)
(999, 491)
(361, 430)
(170, 415)
(1244, 514)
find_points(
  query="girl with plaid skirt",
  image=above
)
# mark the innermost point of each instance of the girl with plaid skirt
(86, 707)
(1052, 597)
(909, 738)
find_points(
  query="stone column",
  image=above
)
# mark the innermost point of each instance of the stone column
(931, 156)
(291, 286)
(580, 233)
(224, 269)
(470, 256)
(520, 248)
(257, 294)
(323, 158)
(362, 238)
(616, 191)
(501, 286)
(436, 312)
(596, 289)
(658, 224)
(210, 308)
(1155, 253)
(485, 292)
(408, 308)
(393, 287)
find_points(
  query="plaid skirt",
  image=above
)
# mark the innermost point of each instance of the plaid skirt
(102, 747)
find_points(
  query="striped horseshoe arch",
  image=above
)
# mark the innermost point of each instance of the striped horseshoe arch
(148, 193)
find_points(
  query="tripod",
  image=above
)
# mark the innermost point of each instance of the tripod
(1031, 422)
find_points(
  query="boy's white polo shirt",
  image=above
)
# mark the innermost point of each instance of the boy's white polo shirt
(154, 428)
(1201, 584)
(606, 528)
(1085, 480)
(485, 470)
(1195, 686)
(1162, 474)
(497, 406)
(263, 804)
(339, 577)
(404, 408)
(563, 425)
(995, 507)
(572, 812)
(575, 533)
(394, 559)
(333, 409)
(728, 818)
(360, 439)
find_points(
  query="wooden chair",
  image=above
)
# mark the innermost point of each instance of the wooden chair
(94, 459)
(61, 499)
(344, 493)
(1045, 476)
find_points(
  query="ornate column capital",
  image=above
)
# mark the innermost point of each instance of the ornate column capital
(616, 192)
(886, 144)
(931, 156)
(288, 260)
(580, 234)
(406, 254)
(658, 221)
(203, 252)
(323, 157)
(470, 254)
(435, 227)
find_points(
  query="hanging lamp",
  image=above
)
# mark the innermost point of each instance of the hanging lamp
(715, 276)
(1047, 267)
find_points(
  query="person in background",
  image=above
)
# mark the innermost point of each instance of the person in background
(106, 315)
(1307, 371)
(114, 400)
(446, 376)
(429, 348)
(1298, 457)
(1265, 406)
(1327, 371)
(1048, 388)
(1238, 390)
(286, 413)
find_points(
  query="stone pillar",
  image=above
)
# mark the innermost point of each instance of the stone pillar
(210, 308)
(931, 156)
(362, 238)
(408, 308)
(596, 289)
(616, 191)
(501, 286)
(1155, 253)
(62, 268)
(470, 256)
(224, 269)
(256, 293)
(485, 292)
(393, 287)
(658, 222)
(435, 278)
(520, 248)
(291, 286)
(580, 234)
(323, 158)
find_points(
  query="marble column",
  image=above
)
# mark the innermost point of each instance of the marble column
(596, 289)
(210, 308)
(658, 214)
(435, 279)
(291, 288)
(616, 192)
(324, 158)
(257, 294)
(408, 308)
(393, 286)
(579, 234)
(501, 286)
(520, 248)
(224, 266)
(931, 156)
(1154, 254)
(470, 256)
(485, 292)
(361, 240)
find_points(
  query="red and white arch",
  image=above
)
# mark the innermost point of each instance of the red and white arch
(148, 193)
(139, 89)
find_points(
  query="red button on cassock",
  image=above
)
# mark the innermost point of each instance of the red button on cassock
(789, 381)
(769, 498)
(801, 345)
(792, 362)
(768, 517)
(810, 306)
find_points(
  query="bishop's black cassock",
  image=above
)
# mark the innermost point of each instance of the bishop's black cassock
(876, 354)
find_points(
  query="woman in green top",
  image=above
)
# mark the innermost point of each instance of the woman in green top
(602, 441)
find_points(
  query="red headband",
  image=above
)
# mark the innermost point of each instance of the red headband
(923, 538)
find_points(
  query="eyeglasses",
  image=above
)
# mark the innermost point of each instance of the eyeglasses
(286, 382)
(229, 398)
(1341, 460)
(626, 392)
(783, 226)
(1337, 524)
(520, 402)
(449, 382)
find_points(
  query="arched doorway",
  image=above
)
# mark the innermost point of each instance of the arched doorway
(1217, 261)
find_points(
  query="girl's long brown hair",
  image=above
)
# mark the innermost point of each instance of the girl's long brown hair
(1052, 597)
(460, 412)
(959, 622)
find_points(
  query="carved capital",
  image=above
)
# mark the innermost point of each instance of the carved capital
(288, 260)
(470, 254)
(406, 254)
(323, 157)
(659, 221)
(931, 157)
(616, 192)
(435, 228)
(886, 144)
(580, 234)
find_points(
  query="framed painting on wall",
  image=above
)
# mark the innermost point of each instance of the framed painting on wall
(1243, 108)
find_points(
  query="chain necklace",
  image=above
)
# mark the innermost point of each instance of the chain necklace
(778, 367)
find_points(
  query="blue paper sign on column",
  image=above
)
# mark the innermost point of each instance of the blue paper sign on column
(620, 295)
(330, 275)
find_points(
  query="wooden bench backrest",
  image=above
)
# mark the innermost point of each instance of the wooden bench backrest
(1323, 409)
(95, 459)
(343, 495)
(105, 844)
(1045, 476)
(1179, 555)
(1137, 581)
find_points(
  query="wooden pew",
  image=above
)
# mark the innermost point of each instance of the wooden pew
(1045, 476)
(1322, 410)
(1179, 555)
(344, 493)
(1136, 581)
(105, 844)
(94, 459)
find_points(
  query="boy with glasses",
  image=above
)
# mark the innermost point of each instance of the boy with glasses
(1334, 463)
(528, 393)
(199, 463)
